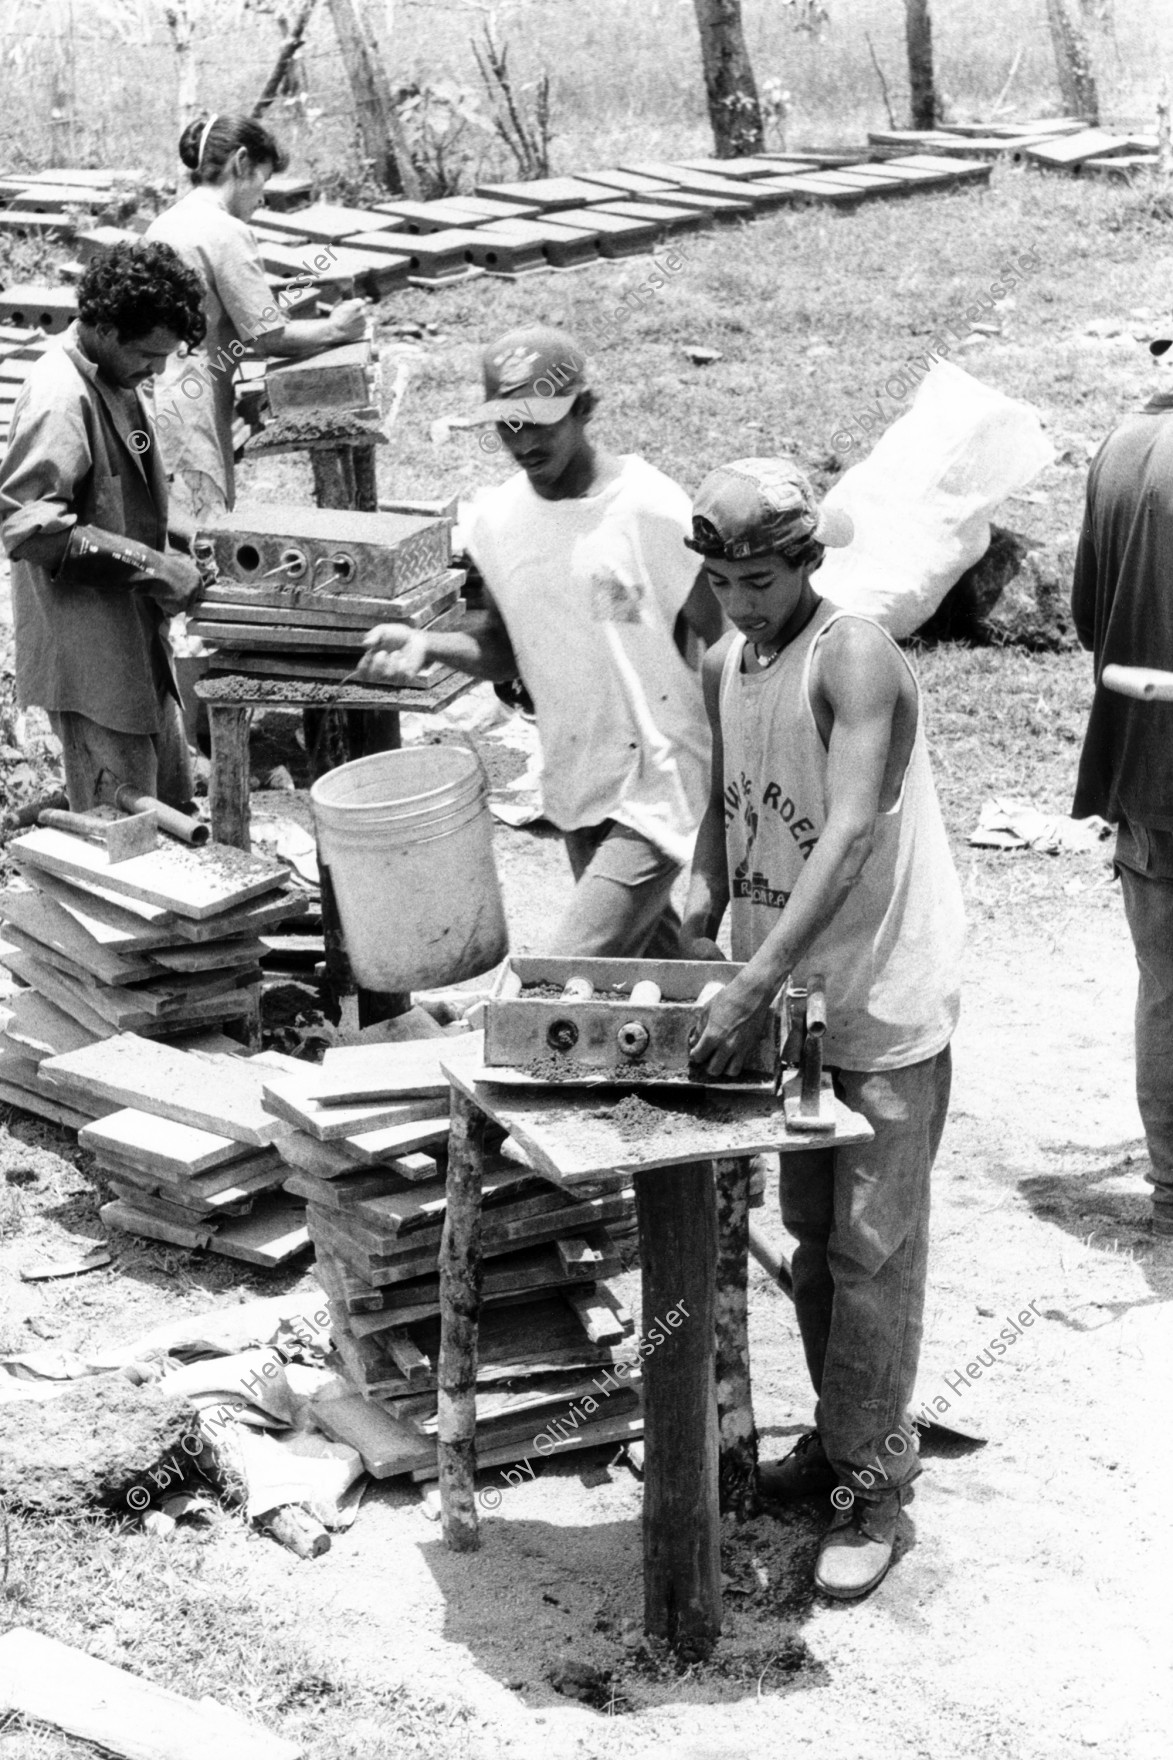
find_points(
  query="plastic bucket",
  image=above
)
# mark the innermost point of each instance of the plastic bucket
(408, 841)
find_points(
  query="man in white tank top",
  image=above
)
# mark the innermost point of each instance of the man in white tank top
(824, 835)
(588, 589)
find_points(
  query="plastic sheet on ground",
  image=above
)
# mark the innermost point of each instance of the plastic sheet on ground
(921, 501)
(1005, 823)
(302, 1467)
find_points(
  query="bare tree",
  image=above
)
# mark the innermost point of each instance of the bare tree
(380, 129)
(734, 110)
(918, 29)
(1077, 82)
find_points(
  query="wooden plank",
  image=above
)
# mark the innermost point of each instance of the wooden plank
(194, 883)
(361, 1074)
(133, 1219)
(574, 1137)
(160, 1146)
(222, 1188)
(50, 923)
(183, 1208)
(136, 1072)
(213, 956)
(681, 1523)
(50, 1682)
(503, 1278)
(44, 1030)
(286, 1096)
(275, 1233)
(113, 923)
(407, 1357)
(602, 1317)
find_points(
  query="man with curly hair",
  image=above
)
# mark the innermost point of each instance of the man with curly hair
(83, 516)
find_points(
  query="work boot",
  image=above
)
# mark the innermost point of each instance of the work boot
(857, 1548)
(804, 1472)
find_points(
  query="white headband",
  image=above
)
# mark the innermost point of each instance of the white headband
(208, 126)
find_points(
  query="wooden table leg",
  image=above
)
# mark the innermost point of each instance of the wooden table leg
(681, 1525)
(228, 790)
(738, 1463)
(460, 1301)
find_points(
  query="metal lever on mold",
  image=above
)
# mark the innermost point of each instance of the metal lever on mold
(292, 563)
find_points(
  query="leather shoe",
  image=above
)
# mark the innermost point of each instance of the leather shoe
(804, 1472)
(857, 1548)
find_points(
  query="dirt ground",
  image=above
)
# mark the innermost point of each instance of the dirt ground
(1025, 1616)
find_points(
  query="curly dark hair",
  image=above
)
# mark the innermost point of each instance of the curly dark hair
(142, 287)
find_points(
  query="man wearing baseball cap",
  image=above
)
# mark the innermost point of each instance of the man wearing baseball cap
(1123, 611)
(589, 587)
(824, 837)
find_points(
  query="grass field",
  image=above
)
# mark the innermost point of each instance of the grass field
(810, 314)
(96, 81)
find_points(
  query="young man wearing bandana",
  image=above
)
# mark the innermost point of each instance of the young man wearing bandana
(824, 837)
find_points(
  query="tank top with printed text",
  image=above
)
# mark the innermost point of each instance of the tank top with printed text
(891, 955)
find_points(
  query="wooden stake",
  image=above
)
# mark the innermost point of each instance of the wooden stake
(681, 1524)
(382, 133)
(228, 789)
(284, 67)
(460, 1300)
(737, 1475)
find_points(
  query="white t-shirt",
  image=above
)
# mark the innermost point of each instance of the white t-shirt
(589, 590)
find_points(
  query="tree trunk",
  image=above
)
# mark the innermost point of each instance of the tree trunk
(918, 28)
(182, 28)
(384, 142)
(734, 110)
(1077, 82)
(286, 75)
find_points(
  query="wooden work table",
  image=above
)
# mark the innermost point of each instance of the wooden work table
(691, 1186)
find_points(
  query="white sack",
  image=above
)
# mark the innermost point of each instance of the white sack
(920, 502)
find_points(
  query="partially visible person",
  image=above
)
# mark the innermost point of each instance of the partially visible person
(824, 836)
(230, 159)
(1122, 602)
(591, 593)
(83, 505)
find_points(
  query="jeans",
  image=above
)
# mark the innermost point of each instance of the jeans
(1148, 907)
(98, 759)
(860, 1214)
(622, 905)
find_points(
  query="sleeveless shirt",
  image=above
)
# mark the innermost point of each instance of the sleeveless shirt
(890, 957)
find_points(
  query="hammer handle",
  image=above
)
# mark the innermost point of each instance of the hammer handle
(79, 823)
(177, 824)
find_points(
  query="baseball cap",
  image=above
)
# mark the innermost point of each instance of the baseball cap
(531, 375)
(759, 506)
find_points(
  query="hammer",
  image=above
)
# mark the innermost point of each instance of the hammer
(122, 838)
(176, 824)
(804, 1010)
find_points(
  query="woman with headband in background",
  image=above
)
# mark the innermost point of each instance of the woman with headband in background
(230, 159)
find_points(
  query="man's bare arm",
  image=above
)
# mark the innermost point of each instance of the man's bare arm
(859, 678)
(708, 887)
(480, 646)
